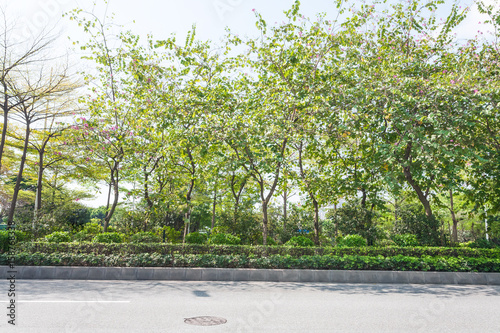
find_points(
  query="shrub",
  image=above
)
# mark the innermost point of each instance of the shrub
(329, 262)
(226, 239)
(385, 242)
(351, 241)
(482, 244)
(412, 220)
(196, 238)
(4, 239)
(405, 240)
(171, 235)
(58, 237)
(83, 236)
(299, 241)
(145, 237)
(354, 219)
(108, 237)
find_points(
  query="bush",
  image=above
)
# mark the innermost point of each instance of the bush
(299, 241)
(482, 244)
(226, 239)
(171, 235)
(351, 241)
(412, 220)
(196, 238)
(58, 237)
(83, 236)
(108, 237)
(326, 262)
(405, 240)
(354, 219)
(4, 239)
(145, 237)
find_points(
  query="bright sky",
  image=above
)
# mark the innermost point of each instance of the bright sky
(161, 18)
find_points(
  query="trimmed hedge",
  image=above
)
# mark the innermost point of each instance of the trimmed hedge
(347, 262)
(256, 251)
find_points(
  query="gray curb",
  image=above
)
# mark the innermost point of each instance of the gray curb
(247, 274)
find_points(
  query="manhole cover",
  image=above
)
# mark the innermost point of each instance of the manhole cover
(205, 321)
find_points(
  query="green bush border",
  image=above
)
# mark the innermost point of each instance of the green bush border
(323, 262)
(247, 250)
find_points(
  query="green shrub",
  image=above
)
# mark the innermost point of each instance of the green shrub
(482, 244)
(58, 237)
(385, 242)
(299, 241)
(351, 241)
(108, 237)
(145, 237)
(405, 240)
(4, 239)
(196, 238)
(354, 219)
(254, 251)
(412, 220)
(326, 262)
(83, 236)
(171, 235)
(226, 239)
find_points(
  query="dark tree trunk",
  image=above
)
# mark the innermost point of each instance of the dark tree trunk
(214, 204)
(264, 222)
(316, 222)
(114, 182)
(17, 187)
(39, 184)
(454, 219)
(409, 178)
(5, 108)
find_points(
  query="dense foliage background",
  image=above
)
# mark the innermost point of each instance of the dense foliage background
(381, 127)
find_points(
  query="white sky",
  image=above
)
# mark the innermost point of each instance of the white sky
(161, 18)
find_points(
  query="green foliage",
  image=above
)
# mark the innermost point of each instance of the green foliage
(482, 243)
(108, 237)
(412, 220)
(347, 262)
(299, 241)
(353, 219)
(405, 240)
(225, 239)
(58, 237)
(196, 238)
(255, 251)
(145, 237)
(20, 236)
(171, 235)
(351, 241)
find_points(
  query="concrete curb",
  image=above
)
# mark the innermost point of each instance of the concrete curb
(247, 274)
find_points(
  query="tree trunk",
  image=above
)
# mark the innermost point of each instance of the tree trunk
(316, 222)
(116, 193)
(409, 178)
(146, 190)
(264, 222)
(38, 197)
(10, 219)
(284, 208)
(213, 208)
(5, 108)
(454, 219)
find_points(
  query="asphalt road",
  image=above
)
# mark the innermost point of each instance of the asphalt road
(162, 306)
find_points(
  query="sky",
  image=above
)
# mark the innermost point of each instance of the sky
(161, 18)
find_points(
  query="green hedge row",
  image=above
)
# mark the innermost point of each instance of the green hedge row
(348, 262)
(257, 251)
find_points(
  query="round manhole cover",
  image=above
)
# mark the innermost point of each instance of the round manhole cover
(205, 321)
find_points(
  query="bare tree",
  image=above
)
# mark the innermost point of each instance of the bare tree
(15, 57)
(34, 94)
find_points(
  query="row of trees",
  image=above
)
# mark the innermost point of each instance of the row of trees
(383, 102)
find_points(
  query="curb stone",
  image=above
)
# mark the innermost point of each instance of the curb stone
(248, 274)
